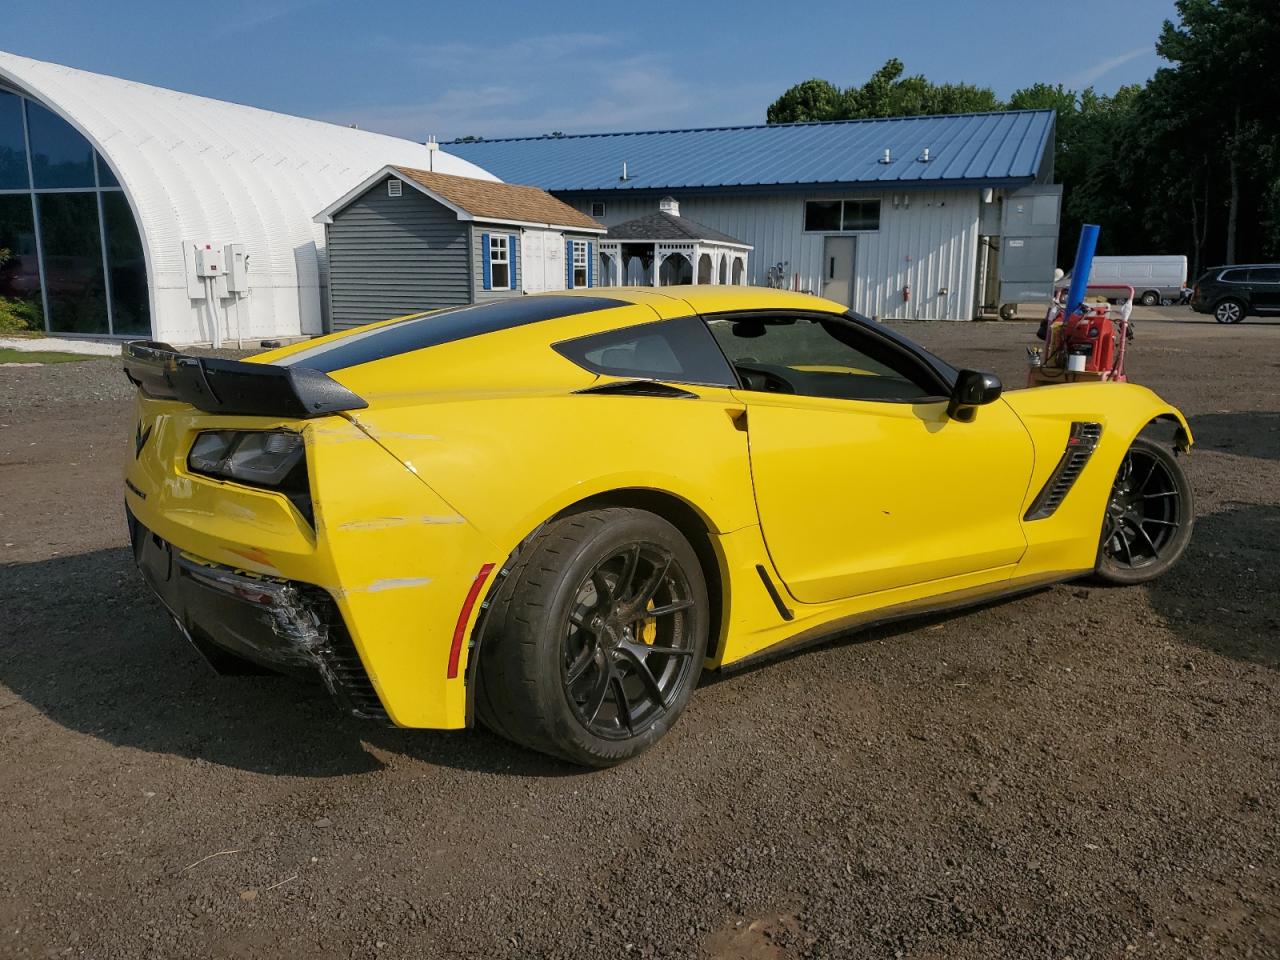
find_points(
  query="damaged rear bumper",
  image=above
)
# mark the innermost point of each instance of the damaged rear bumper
(236, 619)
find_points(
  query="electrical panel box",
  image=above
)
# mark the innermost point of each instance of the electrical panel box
(209, 262)
(236, 265)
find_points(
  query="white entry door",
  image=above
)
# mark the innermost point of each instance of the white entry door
(837, 269)
(541, 260)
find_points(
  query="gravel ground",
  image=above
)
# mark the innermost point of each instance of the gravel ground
(1085, 772)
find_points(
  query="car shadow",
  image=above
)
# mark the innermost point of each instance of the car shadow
(1245, 434)
(1221, 596)
(88, 646)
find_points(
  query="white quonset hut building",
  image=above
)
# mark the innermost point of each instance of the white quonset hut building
(920, 217)
(115, 198)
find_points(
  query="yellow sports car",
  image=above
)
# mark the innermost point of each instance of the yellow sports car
(551, 513)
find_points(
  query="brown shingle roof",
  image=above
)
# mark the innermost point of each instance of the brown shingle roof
(500, 201)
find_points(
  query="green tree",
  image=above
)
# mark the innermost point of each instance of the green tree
(886, 93)
(806, 102)
(1223, 74)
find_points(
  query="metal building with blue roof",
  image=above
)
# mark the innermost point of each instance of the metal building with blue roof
(931, 217)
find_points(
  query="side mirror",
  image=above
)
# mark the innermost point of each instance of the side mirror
(972, 390)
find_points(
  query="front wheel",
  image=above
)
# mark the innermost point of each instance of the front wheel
(1149, 516)
(1151, 299)
(595, 644)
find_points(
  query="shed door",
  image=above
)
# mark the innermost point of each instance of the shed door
(542, 254)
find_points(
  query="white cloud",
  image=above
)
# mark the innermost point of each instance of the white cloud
(1100, 69)
(258, 15)
(572, 82)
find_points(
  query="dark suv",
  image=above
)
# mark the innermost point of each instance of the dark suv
(1233, 293)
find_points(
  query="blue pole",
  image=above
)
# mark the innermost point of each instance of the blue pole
(1083, 267)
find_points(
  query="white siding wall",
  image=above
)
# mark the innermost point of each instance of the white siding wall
(930, 244)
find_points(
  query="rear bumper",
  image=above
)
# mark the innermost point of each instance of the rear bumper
(231, 617)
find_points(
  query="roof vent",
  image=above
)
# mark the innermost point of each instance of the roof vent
(924, 157)
(669, 205)
(394, 187)
(624, 171)
(888, 156)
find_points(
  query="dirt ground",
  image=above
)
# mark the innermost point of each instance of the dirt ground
(1084, 772)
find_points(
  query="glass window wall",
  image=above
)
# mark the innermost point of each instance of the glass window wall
(71, 257)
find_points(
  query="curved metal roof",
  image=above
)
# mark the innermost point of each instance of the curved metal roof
(200, 169)
(1002, 148)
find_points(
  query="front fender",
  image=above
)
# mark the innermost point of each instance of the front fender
(1068, 539)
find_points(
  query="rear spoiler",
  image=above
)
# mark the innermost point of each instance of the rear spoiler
(233, 386)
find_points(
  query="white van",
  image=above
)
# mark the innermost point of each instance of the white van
(1153, 278)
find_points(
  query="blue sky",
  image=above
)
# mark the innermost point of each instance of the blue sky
(498, 68)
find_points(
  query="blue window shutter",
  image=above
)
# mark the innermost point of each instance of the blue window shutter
(487, 267)
(513, 254)
(591, 264)
(568, 264)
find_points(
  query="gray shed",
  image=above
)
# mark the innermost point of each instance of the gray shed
(406, 240)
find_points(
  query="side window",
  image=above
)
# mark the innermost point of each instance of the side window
(499, 262)
(580, 278)
(821, 356)
(1264, 275)
(1234, 276)
(678, 351)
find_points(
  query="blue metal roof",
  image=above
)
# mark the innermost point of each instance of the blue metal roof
(964, 149)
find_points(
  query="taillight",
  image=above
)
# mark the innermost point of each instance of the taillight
(268, 459)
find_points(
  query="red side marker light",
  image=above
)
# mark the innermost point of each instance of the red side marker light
(460, 631)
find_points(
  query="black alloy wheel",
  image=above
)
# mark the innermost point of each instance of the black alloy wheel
(629, 642)
(1149, 515)
(595, 639)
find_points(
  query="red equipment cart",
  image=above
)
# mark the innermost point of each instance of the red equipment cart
(1088, 345)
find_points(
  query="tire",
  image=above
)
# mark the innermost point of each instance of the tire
(573, 604)
(1229, 311)
(1151, 299)
(1008, 311)
(1149, 516)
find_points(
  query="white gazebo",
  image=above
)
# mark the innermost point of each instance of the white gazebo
(664, 249)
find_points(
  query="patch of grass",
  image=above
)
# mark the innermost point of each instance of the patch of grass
(8, 355)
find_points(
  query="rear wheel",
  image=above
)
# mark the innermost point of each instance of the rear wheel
(1149, 516)
(597, 639)
(1151, 299)
(1008, 311)
(1229, 311)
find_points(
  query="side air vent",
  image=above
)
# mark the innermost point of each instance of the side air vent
(639, 388)
(394, 187)
(1080, 446)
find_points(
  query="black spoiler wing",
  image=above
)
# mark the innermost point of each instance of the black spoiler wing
(233, 386)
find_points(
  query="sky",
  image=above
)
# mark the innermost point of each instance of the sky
(497, 68)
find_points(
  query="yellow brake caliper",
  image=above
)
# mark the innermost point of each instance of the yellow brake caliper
(649, 629)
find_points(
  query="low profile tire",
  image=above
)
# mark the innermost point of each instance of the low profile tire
(1008, 311)
(1151, 299)
(1149, 516)
(596, 638)
(1229, 311)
